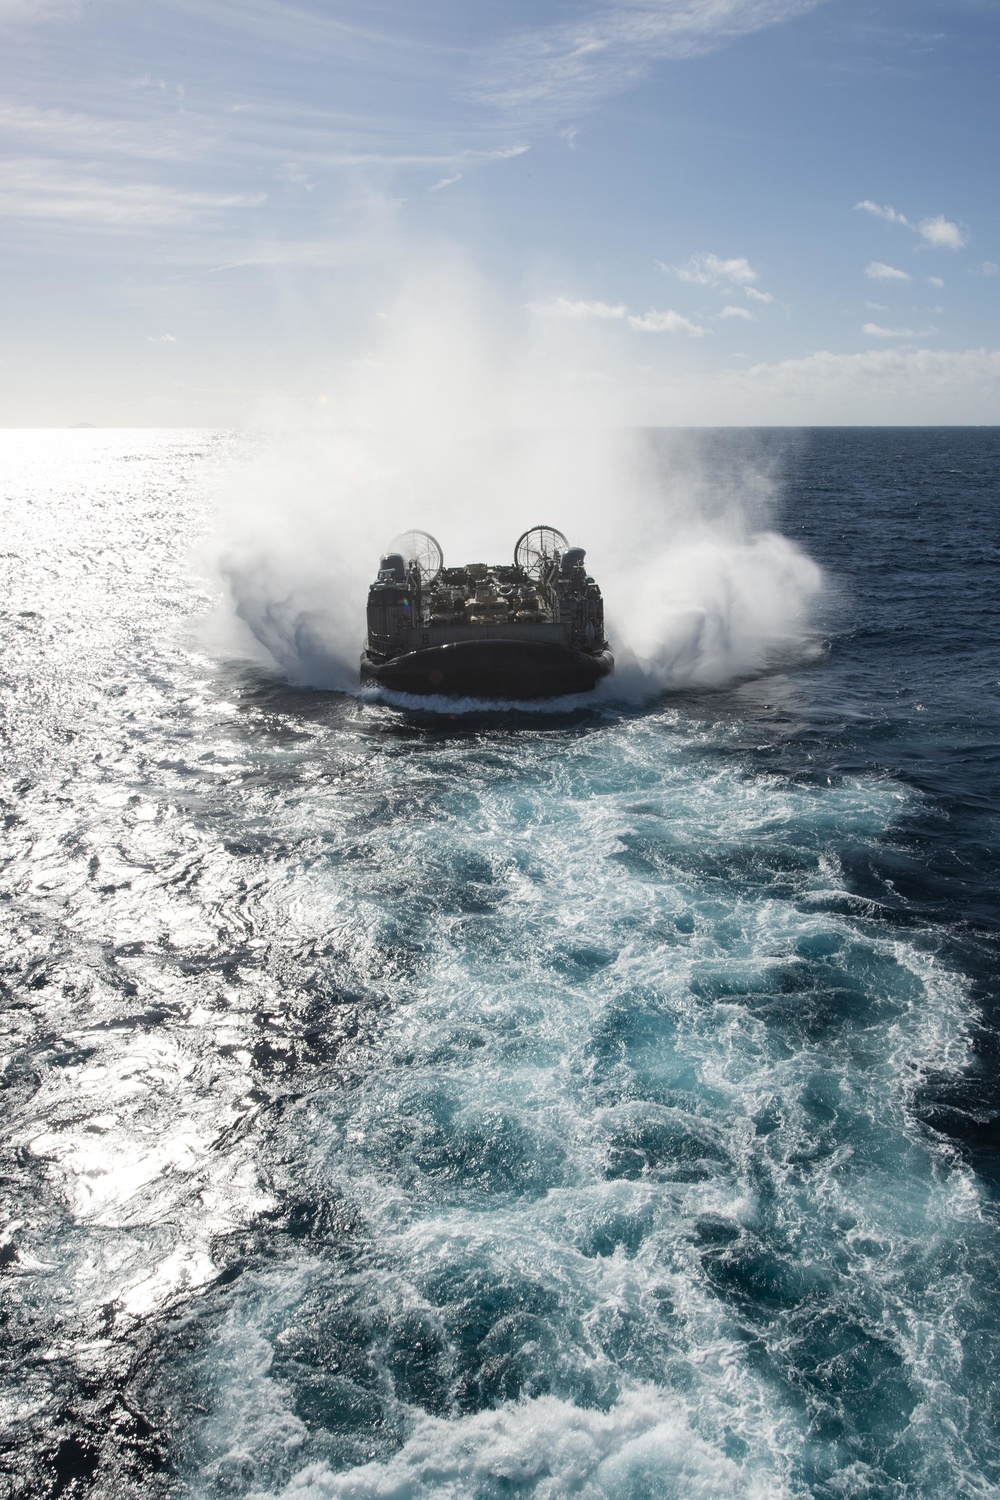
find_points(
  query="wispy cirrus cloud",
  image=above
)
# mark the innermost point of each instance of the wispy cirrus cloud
(50, 190)
(258, 131)
(149, 162)
(732, 311)
(549, 72)
(347, 33)
(77, 132)
(106, 146)
(266, 135)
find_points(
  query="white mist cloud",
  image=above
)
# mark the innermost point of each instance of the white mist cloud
(988, 268)
(713, 270)
(756, 295)
(666, 322)
(699, 587)
(941, 232)
(934, 281)
(163, 338)
(879, 271)
(446, 182)
(736, 312)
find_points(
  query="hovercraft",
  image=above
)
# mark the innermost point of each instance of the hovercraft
(531, 630)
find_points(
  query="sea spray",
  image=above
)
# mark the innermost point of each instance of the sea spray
(436, 432)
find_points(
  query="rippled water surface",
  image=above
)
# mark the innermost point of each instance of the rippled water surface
(597, 1104)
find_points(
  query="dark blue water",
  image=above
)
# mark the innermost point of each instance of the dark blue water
(599, 1103)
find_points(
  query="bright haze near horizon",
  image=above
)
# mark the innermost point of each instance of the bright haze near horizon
(664, 211)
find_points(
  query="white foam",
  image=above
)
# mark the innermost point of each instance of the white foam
(632, 847)
(549, 1449)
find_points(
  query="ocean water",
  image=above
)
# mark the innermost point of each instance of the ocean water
(598, 1102)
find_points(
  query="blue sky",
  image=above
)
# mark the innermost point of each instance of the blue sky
(707, 211)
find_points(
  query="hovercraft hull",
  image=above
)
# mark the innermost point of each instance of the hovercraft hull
(489, 669)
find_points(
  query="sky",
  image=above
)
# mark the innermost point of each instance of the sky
(667, 212)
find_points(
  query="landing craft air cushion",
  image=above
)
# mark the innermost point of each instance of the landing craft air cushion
(533, 630)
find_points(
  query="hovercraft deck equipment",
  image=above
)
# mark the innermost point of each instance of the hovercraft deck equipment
(534, 630)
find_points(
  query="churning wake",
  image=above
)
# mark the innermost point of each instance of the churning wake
(597, 1106)
(624, 1197)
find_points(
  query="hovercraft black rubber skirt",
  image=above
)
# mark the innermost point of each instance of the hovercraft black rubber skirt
(489, 669)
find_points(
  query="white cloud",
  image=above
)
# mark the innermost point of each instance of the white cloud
(649, 322)
(883, 211)
(554, 71)
(940, 231)
(937, 231)
(887, 373)
(736, 312)
(712, 270)
(502, 153)
(446, 182)
(757, 296)
(164, 338)
(879, 271)
(874, 331)
(666, 322)
(563, 307)
(934, 281)
(880, 385)
(988, 268)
